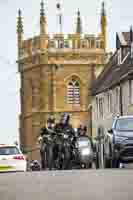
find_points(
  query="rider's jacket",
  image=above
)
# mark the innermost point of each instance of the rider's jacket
(43, 131)
(64, 127)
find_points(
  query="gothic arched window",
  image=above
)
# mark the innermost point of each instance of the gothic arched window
(73, 92)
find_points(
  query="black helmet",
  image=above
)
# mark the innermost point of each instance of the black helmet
(65, 117)
(51, 120)
(83, 127)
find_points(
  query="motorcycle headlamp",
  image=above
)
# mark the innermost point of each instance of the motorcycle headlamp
(66, 136)
(85, 151)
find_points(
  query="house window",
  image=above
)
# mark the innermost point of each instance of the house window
(117, 95)
(132, 50)
(130, 91)
(109, 102)
(97, 109)
(101, 107)
(119, 56)
(73, 92)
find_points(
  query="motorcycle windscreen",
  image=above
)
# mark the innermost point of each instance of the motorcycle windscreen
(83, 142)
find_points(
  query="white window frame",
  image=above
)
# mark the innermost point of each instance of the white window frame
(117, 99)
(119, 56)
(72, 92)
(101, 108)
(131, 50)
(108, 102)
(97, 108)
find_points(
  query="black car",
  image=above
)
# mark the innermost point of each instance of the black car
(118, 142)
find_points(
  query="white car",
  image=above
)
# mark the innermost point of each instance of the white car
(12, 159)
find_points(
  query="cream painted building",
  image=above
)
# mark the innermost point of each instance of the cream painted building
(113, 90)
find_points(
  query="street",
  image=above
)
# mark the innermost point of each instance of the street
(64, 185)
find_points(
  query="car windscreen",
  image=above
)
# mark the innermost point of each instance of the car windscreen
(125, 124)
(9, 151)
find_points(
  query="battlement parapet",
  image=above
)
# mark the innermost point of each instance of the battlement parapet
(61, 42)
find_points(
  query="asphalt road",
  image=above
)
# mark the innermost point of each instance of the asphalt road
(68, 185)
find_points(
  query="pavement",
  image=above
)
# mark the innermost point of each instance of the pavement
(68, 185)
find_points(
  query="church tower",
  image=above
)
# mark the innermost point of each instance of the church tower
(56, 75)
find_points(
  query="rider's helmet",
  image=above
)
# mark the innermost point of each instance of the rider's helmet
(65, 118)
(82, 129)
(85, 128)
(51, 122)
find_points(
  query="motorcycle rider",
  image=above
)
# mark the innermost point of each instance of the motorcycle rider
(83, 133)
(45, 130)
(64, 127)
(83, 130)
(64, 123)
(49, 125)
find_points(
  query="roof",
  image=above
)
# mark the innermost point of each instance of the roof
(112, 75)
(126, 36)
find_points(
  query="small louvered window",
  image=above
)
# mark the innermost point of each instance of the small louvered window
(73, 92)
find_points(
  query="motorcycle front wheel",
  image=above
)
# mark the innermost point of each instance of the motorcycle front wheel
(67, 158)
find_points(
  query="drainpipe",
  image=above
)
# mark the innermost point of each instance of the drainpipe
(121, 102)
(90, 124)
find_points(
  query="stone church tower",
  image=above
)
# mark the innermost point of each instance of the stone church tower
(56, 74)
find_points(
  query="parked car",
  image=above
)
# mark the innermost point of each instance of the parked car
(118, 142)
(12, 159)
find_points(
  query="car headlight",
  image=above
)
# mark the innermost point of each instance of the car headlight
(119, 139)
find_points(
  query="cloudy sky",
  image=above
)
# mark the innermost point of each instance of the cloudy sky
(120, 17)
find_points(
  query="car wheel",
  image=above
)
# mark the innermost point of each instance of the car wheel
(115, 163)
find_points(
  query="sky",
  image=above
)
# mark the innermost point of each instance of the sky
(119, 17)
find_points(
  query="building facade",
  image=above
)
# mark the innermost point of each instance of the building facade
(113, 90)
(56, 73)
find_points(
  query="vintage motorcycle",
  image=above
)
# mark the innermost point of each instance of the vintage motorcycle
(63, 149)
(83, 152)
